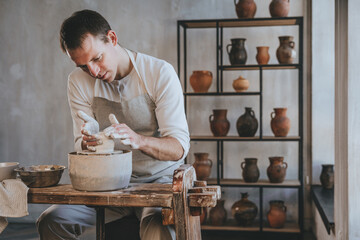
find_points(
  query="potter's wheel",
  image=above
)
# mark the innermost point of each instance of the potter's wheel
(87, 152)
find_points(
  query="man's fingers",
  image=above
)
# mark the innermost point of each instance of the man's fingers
(84, 116)
(93, 143)
(113, 119)
(90, 138)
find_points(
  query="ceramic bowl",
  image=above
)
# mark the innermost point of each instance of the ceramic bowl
(41, 175)
(7, 170)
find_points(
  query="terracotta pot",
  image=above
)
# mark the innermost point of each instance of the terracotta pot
(245, 8)
(244, 211)
(262, 56)
(247, 123)
(219, 125)
(200, 81)
(202, 165)
(279, 8)
(285, 52)
(203, 216)
(280, 123)
(218, 214)
(237, 54)
(327, 176)
(276, 216)
(277, 169)
(250, 171)
(241, 84)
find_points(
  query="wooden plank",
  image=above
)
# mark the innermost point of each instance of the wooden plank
(207, 199)
(231, 225)
(288, 228)
(167, 216)
(261, 182)
(237, 138)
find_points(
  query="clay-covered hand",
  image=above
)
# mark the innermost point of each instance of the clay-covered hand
(122, 131)
(89, 130)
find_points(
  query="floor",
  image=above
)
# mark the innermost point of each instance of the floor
(27, 231)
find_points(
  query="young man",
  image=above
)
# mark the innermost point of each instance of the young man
(145, 95)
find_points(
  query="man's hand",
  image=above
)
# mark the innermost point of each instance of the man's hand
(89, 129)
(126, 135)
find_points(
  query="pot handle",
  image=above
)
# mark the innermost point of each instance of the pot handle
(210, 73)
(292, 44)
(211, 162)
(210, 118)
(242, 165)
(285, 163)
(235, 3)
(285, 208)
(271, 115)
(252, 113)
(227, 48)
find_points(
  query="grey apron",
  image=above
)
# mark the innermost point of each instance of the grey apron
(139, 114)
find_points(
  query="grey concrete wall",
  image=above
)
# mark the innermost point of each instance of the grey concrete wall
(35, 122)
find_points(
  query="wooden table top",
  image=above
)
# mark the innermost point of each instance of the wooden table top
(136, 195)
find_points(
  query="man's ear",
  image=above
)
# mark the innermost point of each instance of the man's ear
(112, 37)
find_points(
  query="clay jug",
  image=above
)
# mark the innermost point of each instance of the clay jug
(240, 84)
(245, 8)
(202, 165)
(279, 8)
(200, 81)
(280, 123)
(244, 211)
(237, 54)
(219, 125)
(327, 176)
(276, 216)
(218, 214)
(286, 52)
(203, 215)
(262, 56)
(250, 171)
(247, 123)
(277, 169)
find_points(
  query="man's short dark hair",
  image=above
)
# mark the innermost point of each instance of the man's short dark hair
(74, 29)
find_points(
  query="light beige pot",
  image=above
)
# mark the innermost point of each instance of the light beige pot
(100, 172)
(240, 84)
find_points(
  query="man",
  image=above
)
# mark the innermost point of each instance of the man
(144, 94)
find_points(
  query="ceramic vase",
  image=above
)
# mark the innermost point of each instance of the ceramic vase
(327, 176)
(202, 166)
(247, 123)
(279, 8)
(280, 123)
(250, 170)
(262, 56)
(219, 124)
(237, 53)
(241, 84)
(245, 8)
(276, 216)
(285, 53)
(244, 211)
(200, 81)
(277, 169)
(217, 215)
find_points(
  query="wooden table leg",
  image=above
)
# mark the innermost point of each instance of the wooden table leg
(100, 223)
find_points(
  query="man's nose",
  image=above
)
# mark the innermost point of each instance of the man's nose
(93, 70)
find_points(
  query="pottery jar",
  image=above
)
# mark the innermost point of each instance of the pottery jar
(277, 169)
(247, 123)
(245, 8)
(200, 81)
(262, 56)
(203, 215)
(276, 216)
(286, 52)
(217, 215)
(237, 54)
(279, 8)
(327, 176)
(280, 123)
(244, 211)
(241, 84)
(219, 124)
(250, 171)
(202, 165)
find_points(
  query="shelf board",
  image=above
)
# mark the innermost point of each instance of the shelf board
(250, 22)
(236, 138)
(260, 183)
(231, 225)
(257, 67)
(221, 93)
(288, 228)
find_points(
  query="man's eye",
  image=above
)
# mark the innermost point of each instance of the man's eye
(98, 58)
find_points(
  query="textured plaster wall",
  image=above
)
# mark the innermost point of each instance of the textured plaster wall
(35, 122)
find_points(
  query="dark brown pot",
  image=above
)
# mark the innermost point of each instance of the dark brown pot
(327, 176)
(262, 56)
(200, 81)
(203, 215)
(279, 8)
(244, 211)
(247, 123)
(250, 170)
(286, 52)
(218, 214)
(277, 169)
(245, 8)
(280, 123)
(237, 54)
(202, 165)
(277, 214)
(219, 125)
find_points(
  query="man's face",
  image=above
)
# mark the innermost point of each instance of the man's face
(96, 58)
